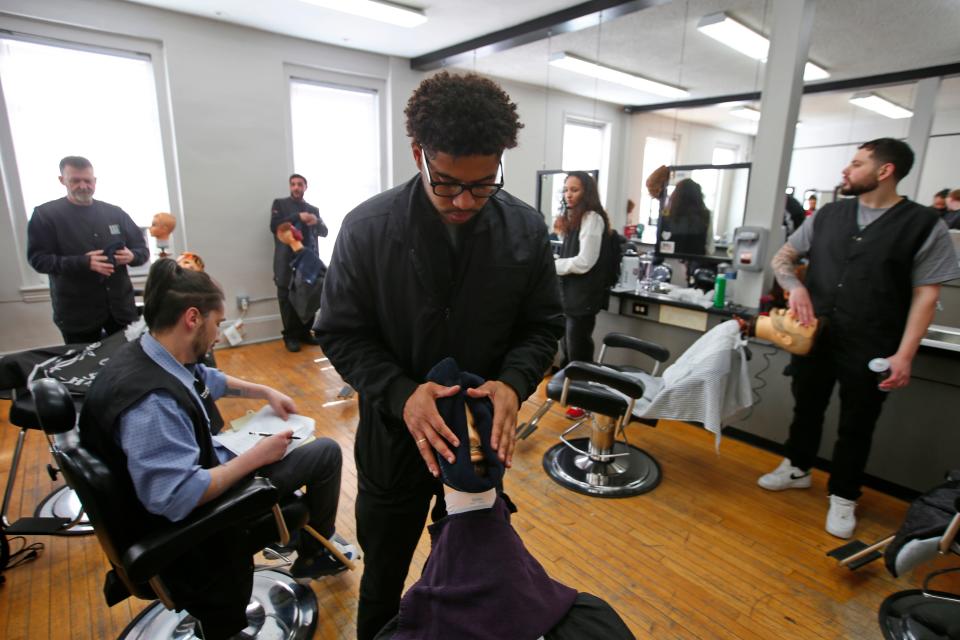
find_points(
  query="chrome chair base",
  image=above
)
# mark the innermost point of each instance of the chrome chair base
(280, 609)
(64, 503)
(620, 477)
(914, 615)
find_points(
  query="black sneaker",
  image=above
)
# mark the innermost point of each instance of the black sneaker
(310, 339)
(292, 344)
(324, 563)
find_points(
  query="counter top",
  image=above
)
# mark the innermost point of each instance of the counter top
(941, 337)
(729, 311)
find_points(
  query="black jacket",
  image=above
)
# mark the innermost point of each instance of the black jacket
(288, 210)
(398, 299)
(59, 235)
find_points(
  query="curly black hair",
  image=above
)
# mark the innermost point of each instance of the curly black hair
(462, 115)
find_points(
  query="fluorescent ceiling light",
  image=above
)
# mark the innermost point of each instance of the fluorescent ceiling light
(376, 10)
(566, 61)
(747, 113)
(742, 38)
(884, 107)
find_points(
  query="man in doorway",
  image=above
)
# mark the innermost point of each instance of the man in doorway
(306, 218)
(150, 416)
(85, 245)
(876, 262)
(446, 264)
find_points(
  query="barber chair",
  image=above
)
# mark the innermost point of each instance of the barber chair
(60, 512)
(929, 529)
(279, 606)
(599, 464)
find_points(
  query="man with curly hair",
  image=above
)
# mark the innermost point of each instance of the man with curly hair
(446, 265)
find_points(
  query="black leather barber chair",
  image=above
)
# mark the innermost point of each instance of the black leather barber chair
(60, 512)
(279, 606)
(600, 464)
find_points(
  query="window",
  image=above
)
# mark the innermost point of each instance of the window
(101, 105)
(336, 147)
(657, 152)
(586, 146)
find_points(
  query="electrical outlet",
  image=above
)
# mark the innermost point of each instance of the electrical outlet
(243, 303)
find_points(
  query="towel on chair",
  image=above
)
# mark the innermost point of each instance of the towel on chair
(709, 383)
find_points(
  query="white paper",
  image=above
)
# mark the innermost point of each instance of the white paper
(243, 434)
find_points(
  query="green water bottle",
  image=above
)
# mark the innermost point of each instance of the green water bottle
(719, 291)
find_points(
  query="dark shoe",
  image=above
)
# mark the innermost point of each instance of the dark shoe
(324, 563)
(292, 344)
(310, 339)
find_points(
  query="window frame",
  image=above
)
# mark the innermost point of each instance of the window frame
(34, 287)
(605, 128)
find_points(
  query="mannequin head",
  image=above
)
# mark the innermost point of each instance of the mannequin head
(162, 226)
(190, 261)
(783, 329)
(657, 181)
(290, 236)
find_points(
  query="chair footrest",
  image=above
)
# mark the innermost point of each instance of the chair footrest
(37, 526)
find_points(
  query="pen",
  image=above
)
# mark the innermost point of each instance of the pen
(260, 433)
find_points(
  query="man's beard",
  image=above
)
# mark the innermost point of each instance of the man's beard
(83, 197)
(861, 188)
(200, 346)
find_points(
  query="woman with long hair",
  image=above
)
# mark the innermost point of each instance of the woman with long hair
(687, 219)
(583, 224)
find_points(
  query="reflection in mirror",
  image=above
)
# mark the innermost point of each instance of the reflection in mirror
(550, 192)
(699, 210)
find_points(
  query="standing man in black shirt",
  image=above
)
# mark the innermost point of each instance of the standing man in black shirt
(445, 264)
(876, 265)
(85, 245)
(306, 218)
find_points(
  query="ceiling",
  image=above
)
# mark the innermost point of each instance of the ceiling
(851, 39)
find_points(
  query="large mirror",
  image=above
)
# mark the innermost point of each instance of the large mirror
(550, 192)
(700, 208)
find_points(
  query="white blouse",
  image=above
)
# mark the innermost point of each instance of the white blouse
(591, 237)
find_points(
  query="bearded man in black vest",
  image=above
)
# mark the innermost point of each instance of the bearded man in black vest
(876, 263)
(150, 416)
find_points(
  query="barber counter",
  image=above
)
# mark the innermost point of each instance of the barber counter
(917, 439)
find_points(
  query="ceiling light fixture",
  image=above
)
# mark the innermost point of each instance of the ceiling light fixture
(884, 107)
(389, 12)
(742, 38)
(572, 63)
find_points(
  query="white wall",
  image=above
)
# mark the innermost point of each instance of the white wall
(228, 119)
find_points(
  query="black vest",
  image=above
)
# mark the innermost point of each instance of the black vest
(861, 281)
(128, 377)
(583, 293)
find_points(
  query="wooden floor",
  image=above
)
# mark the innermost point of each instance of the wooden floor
(708, 554)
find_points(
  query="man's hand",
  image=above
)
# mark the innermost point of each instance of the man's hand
(123, 256)
(308, 218)
(506, 404)
(427, 427)
(100, 263)
(801, 306)
(271, 448)
(899, 373)
(281, 403)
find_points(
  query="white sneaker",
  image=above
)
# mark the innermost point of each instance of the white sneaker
(840, 519)
(786, 476)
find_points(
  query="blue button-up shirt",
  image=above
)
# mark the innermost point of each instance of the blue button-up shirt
(157, 436)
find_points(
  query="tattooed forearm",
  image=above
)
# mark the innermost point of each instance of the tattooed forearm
(785, 267)
(238, 393)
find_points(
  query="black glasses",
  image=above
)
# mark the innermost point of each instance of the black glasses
(453, 189)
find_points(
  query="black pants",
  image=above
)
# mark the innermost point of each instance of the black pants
(108, 328)
(578, 339)
(317, 465)
(388, 530)
(293, 327)
(860, 403)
